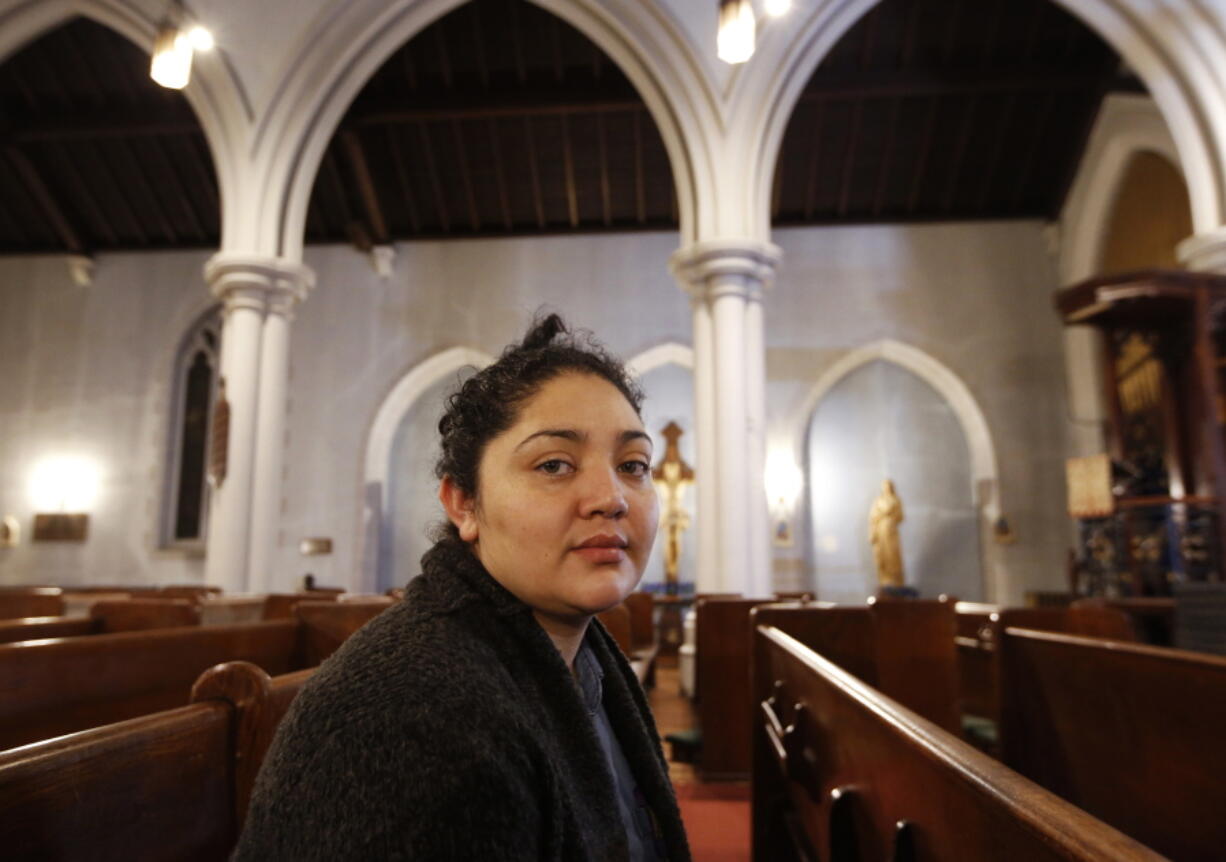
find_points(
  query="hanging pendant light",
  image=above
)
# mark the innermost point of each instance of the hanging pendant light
(176, 42)
(172, 58)
(735, 41)
(777, 8)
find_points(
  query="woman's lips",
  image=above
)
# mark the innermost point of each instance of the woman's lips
(601, 554)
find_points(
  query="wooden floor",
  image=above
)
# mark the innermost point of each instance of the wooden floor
(716, 814)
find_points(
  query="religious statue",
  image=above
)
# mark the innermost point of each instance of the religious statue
(883, 520)
(672, 476)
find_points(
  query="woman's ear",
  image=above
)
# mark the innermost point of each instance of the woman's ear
(460, 508)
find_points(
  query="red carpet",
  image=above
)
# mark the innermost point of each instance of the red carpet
(716, 820)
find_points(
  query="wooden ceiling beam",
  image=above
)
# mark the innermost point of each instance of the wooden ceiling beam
(849, 157)
(925, 151)
(396, 145)
(887, 151)
(815, 157)
(153, 206)
(1038, 135)
(517, 45)
(360, 170)
(118, 198)
(478, 36)
(832, 86)
(444, 57)
(538, 202)
(959, 154)
(68, 167)
(186, 204)
(606, 206)
(640, 187)
(1000, 136)
(55, 215)
(500, 177)
(436, 186)
(568, 167)
(466, 180)
(340, 196)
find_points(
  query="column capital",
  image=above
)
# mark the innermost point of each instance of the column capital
(1204, 252)
(266, 284)
(715, 267)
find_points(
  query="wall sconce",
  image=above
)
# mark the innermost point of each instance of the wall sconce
(172, 52)
(63, 489)
(10, 532)
(784, 482)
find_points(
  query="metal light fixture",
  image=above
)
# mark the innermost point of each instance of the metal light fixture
(735, 41)
(172, 52)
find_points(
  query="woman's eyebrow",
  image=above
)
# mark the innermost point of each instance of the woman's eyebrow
(565, 433)
(581, 436)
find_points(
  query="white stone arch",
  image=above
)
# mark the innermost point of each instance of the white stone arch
(1177, 47)
(348, 43)
(669, 353)
(215, 93)
(377, 460)
(985, 477)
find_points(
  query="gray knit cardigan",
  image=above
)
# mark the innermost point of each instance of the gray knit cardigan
(449, 728)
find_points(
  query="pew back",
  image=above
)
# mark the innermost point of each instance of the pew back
(157, 787)
(722, 684)
(53, 687)
(35, 628)
(1131, 733)
(17, 602)
(143, 614)
(842, 772)
(173, 785)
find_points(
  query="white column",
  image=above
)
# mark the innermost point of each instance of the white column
(258, 293)
(727, 277)
(708, 578)
(755, 410)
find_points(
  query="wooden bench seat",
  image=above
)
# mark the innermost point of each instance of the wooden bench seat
(842, 772)
(18, 602)
(1129, 732)
(173, 785)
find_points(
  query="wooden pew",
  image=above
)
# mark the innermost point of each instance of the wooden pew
(173, 785)
(17, 602)
(280, 606)
(644, 644)
(1131, 733)
(36, 628)
(104, 617)
(978, 632)
(842, 772)
(905, 647)
(52, 687)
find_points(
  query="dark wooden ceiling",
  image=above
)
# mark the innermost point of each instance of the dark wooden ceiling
(500, 119)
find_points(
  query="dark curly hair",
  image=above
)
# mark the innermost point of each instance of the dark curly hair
(488, 403)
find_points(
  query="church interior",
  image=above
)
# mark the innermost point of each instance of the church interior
(927, 299)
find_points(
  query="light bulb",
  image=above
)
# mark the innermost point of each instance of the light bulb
(776, 8)
(172, 59)
(735, 41)
(202, 39)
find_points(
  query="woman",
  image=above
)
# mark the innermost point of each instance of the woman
(488, 716)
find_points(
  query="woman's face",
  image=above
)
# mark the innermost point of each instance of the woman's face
(565, 513)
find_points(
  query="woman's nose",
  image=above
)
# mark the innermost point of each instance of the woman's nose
(603, 495)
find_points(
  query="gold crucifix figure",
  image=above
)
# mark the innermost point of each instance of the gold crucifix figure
(672, 477)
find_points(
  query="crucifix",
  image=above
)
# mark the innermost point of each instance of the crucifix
(672, 476)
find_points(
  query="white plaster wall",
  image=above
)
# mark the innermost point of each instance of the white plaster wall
(86, 372)
(357, 335)
(88, 368)
(977, 297)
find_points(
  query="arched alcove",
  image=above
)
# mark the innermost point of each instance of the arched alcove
(1150, 217)
(981, 451)
(396, 435)
(880, 421)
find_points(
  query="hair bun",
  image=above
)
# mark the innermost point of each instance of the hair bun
(543, 332)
